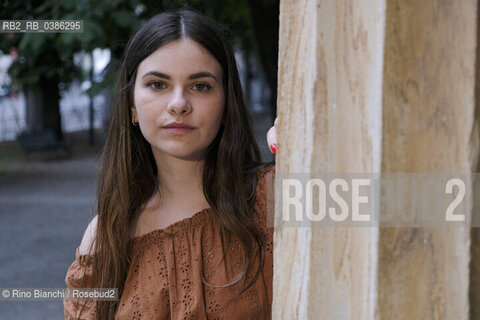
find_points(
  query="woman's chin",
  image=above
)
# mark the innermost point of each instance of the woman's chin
(183, 154)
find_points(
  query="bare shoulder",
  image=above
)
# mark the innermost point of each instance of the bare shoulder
(89, 237)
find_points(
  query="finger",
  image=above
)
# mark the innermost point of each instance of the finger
(271, 136)
(272, 139)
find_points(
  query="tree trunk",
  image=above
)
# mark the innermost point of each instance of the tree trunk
(43, 108)
(51, 106)
(34, 108)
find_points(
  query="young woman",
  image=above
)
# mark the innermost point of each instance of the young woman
(181, 204)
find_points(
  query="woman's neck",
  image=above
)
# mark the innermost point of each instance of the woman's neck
(180, 180)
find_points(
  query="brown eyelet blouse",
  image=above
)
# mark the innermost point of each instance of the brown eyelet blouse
(164, 280)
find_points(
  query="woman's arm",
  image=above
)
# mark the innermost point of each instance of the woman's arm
(80, 275)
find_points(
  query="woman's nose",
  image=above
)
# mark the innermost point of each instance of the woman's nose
(179, 105)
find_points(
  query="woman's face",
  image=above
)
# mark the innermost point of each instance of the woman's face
(179, 83)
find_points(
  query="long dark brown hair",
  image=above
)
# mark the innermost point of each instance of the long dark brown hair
(128, 172)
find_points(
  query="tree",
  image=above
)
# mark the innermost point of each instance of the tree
(46, 59)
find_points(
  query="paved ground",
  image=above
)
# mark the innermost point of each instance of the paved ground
(44, 210)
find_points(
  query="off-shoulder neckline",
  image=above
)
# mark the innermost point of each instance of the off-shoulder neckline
(184, 223)
(174, 227)
(169, 230)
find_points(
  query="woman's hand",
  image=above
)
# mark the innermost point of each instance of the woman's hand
(272, 137)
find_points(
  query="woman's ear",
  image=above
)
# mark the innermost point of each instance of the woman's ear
(134, 114)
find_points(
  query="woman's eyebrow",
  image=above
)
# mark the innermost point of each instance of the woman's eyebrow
(197, 75)
(202, 74)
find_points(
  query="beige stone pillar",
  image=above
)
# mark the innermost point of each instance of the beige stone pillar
(375, 86)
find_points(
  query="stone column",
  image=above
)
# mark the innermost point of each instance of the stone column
(378, 86)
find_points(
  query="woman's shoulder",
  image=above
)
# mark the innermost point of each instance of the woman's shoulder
(88, 240)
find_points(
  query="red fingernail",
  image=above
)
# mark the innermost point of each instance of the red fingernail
(274, 148)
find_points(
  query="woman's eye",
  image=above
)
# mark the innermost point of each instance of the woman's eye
(203, 87)
(156, 85)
